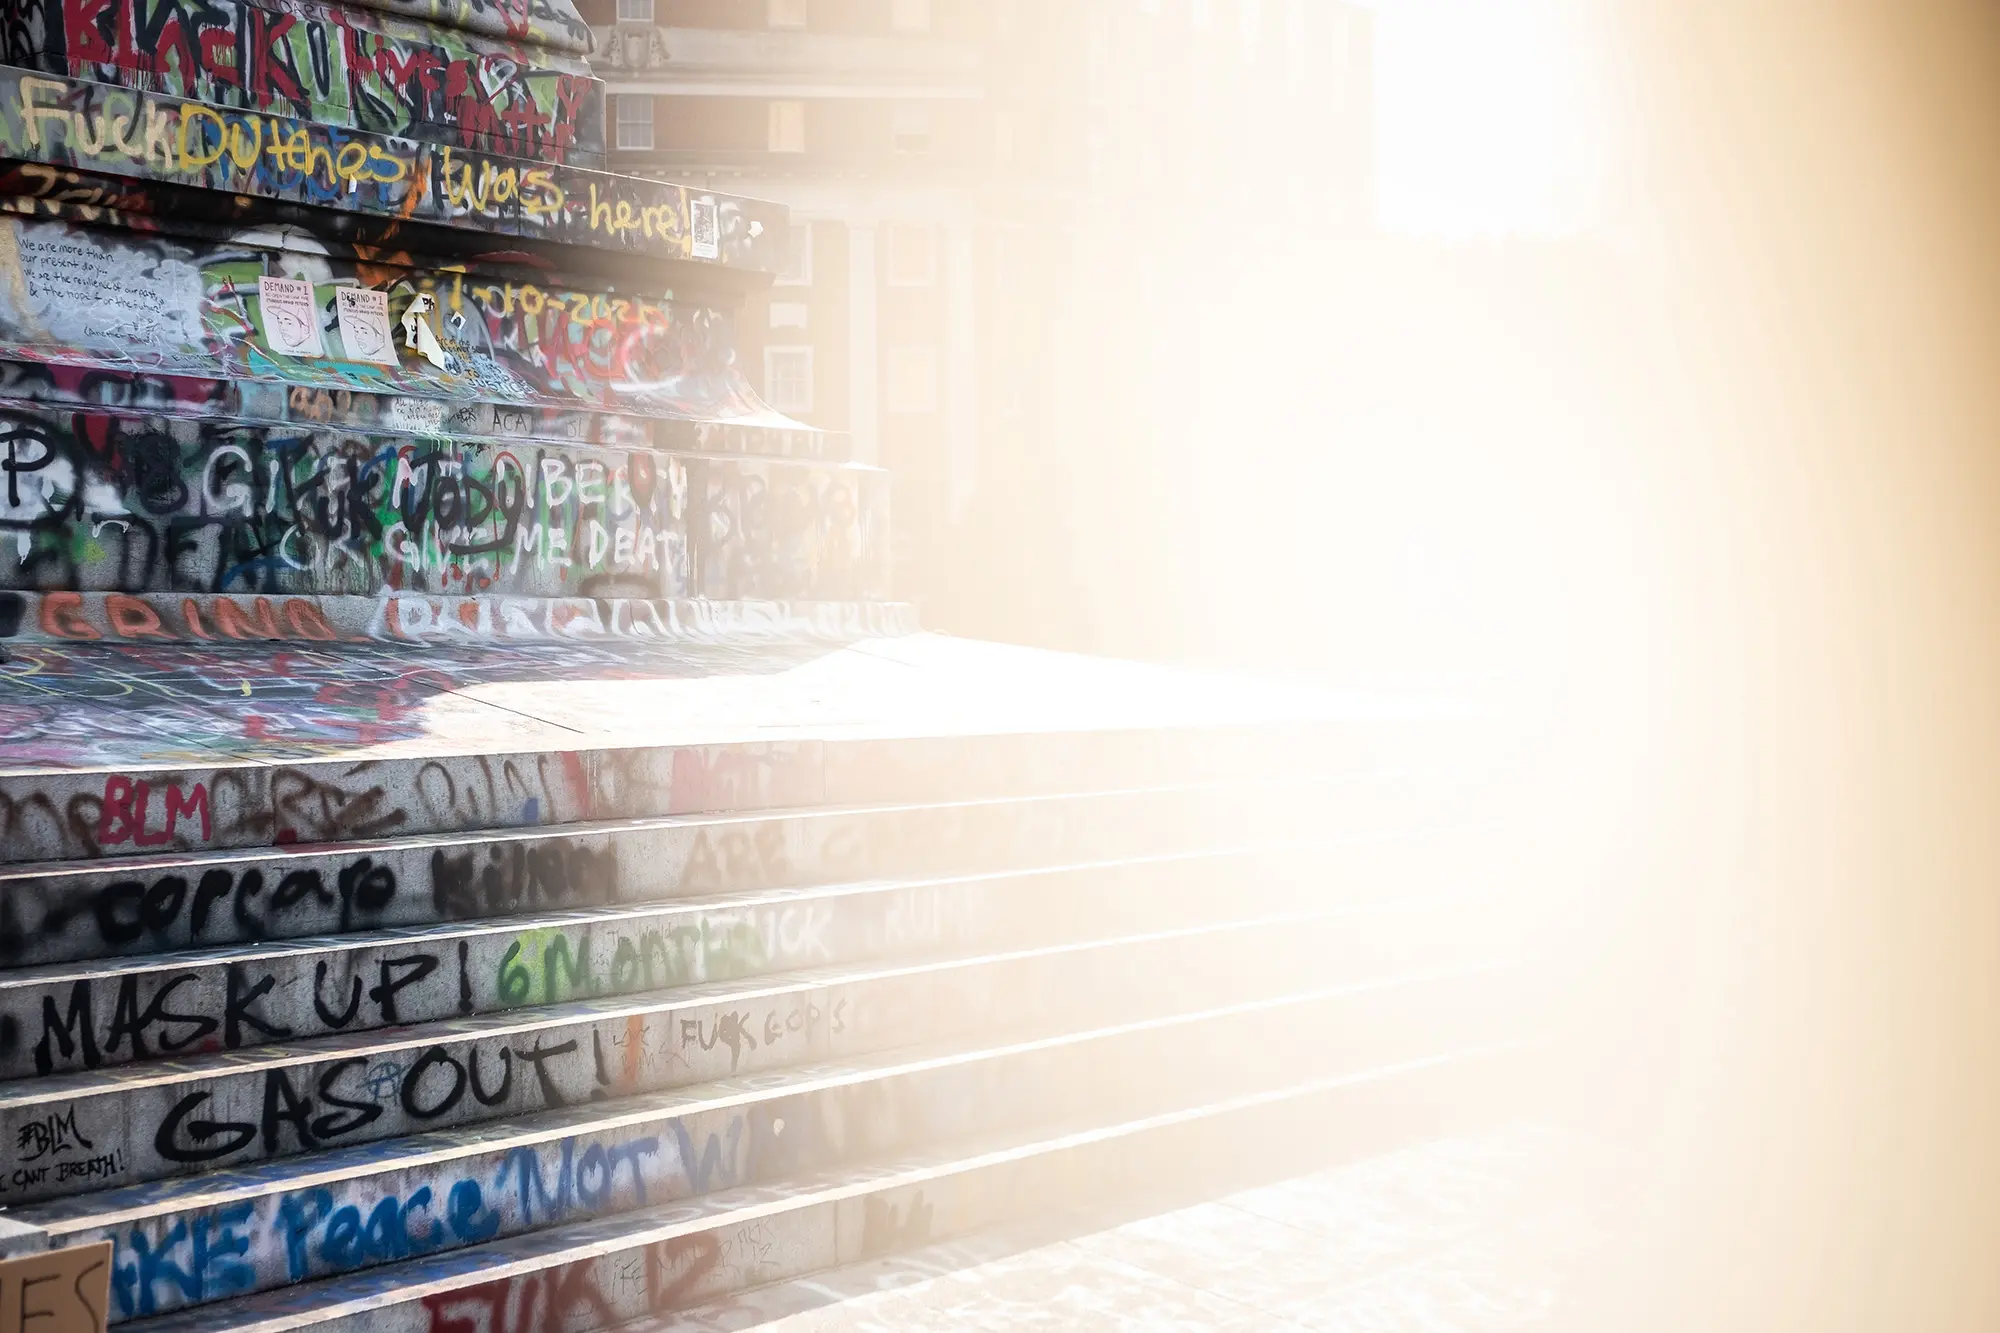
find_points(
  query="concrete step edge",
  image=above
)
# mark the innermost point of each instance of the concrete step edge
(693, 904)
(65, 1087)
(137, 865)
(237, 801)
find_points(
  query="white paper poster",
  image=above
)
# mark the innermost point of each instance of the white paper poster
(704, 233)
(364, 325)
(417, 333)
(291, 320)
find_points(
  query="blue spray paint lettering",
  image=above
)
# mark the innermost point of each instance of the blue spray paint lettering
(703, 1167)
(214, 1267)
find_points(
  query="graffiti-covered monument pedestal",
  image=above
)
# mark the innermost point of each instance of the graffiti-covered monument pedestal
(481, 849)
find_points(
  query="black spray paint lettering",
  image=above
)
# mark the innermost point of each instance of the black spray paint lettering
(515, 877)
(185, 1136)
(127, 911)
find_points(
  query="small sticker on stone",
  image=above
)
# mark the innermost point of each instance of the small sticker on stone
(364, 325)
(704, 229)
(291, 319)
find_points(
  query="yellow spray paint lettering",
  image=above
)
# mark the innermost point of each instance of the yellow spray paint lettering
(33, 112)
(159, 127)
(548, 196)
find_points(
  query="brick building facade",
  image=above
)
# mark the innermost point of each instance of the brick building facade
(962, 173)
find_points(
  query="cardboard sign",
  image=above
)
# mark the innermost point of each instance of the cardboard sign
(57, 1291)
(291, 318)
(364, 325)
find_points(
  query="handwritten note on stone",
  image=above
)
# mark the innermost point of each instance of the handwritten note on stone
(57, 1291)
(85, 293)
(291, 320)
(364, 325)
(419, 416)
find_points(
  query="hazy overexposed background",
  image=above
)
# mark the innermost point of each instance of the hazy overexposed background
(1653, 404)
(1498, 118)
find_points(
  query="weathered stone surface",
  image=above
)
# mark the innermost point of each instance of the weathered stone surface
(356, 68)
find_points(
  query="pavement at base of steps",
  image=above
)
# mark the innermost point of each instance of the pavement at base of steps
(66, 707)
(1483, 1232)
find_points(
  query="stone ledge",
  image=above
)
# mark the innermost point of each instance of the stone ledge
(83, 617)
(138, 135)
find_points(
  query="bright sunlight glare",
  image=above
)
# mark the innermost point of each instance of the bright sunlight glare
(1493, 119)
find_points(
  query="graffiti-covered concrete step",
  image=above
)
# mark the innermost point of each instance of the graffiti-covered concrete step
(100, 1012)
(606, 1272)
(68, 911)
(161, 1118)
(305, 1219)
(682, 729)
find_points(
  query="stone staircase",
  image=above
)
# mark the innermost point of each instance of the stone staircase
(481, 849)
(588, 1071)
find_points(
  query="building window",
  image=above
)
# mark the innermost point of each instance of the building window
(635, 11)
(788, 378)
(910, 15)
(797, 268)
(912, 256)
(635, 120)
(912, 380)
(785, 13)
(910, 130)
(788, 314)
(787, 127)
